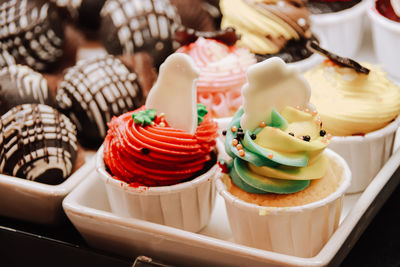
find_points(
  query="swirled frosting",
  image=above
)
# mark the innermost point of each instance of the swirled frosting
(266, 26)
(350, 103)
(222, 74)
(157, 154)
(280, 157)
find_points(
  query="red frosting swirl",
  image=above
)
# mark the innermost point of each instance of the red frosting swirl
(156, 155)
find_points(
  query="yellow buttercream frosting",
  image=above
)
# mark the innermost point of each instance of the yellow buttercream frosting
(260, 30)
(299, 124)
(351, 103)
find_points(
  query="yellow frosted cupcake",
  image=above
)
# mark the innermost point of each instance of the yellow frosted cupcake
(361, 111)
(280, 174)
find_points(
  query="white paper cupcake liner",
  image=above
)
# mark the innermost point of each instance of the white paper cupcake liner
(299, 231)
(343, 30)
(366, 154)
(386, 39)
(186, 206)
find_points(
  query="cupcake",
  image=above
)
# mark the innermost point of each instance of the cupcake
(39, 144)
(361, 110)
(32, 32)
(340, 23)
(159, 161)
(21, 85)
(385, 18)
(282, 189)
(222, 74)
(275, 28)
(131, 26)
(95, 90)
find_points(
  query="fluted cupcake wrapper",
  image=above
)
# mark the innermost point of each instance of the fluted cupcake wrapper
(341, 30)
(186, 206)
(386, 39)
(299, 231)
(366, 154)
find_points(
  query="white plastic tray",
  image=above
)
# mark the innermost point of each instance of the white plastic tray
(38, 202)
(88, 209)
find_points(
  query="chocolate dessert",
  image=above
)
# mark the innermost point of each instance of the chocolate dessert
(21, 85)
(40, 144)
(95, 90)
(130, 26)
(32, 31)
(6, 59)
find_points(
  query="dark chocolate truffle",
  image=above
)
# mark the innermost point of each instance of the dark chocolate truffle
(21, 85)
(40, 144)
(6, 59)
(32, 32)
(130, 26)
(85, 13)
(94, 91)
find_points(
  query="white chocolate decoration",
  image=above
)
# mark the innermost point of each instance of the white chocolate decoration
(272, 84)
(174, 93)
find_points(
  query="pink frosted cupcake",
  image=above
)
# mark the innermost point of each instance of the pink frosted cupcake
(222, 74)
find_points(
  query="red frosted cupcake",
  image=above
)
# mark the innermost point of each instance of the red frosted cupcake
(159, 161)
(157, 154)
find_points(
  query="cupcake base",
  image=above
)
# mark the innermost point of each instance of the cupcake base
(186, 206)
(366, 154)
(299, 231)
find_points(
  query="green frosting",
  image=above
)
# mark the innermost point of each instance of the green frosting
(144, 117)
(276, 162)
(201, 112)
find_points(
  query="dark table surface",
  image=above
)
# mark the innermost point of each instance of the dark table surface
(24, 244)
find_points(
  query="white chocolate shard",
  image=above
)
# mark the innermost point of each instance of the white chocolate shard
(272, 84)
(175, 93)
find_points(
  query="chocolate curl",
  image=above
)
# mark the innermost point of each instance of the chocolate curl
(341, 61)
(185, 36)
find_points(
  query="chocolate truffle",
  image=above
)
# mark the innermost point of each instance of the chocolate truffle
(32, 32)
(94, 91)
(85, 13)
(21, 85)
(130, 26)
(40, 144)
(6, 59)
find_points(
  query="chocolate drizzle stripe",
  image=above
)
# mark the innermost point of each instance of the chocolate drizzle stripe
(344, 62)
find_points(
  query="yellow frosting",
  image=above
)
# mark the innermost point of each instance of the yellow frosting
(351, 103)
(300, 123)
(254, 26)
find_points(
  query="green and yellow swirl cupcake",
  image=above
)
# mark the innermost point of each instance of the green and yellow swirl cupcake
(280, 168)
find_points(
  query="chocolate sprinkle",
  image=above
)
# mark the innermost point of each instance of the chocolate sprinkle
(307, 138)
(145, 151)
(292, 134)
(240, 135)
(341, 61)
(322, 133)
(185, 36)
(224, 132)
(253, 136)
